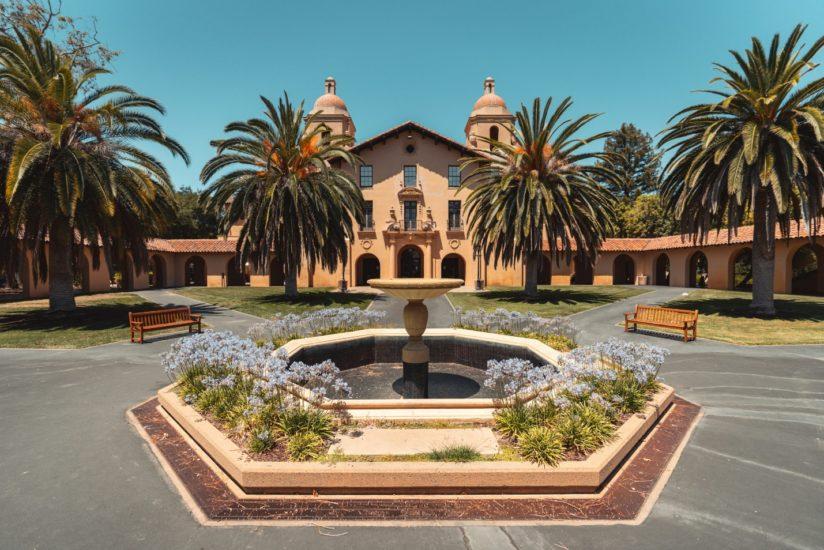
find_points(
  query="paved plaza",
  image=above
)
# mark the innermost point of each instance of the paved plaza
(74, 474)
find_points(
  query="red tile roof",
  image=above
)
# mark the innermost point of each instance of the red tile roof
(199, 246)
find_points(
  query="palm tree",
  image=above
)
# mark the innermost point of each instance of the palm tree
(758, 149)
(286, 184)
(76, 172)
(539, 192)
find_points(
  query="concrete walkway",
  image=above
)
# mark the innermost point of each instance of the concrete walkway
(218, 318)
(74, 475)
(440, 310)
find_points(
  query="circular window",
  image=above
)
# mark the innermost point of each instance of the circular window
(410, 148)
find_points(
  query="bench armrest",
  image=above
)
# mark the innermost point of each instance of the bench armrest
(196, 316)
(136, 323)
(627, 315)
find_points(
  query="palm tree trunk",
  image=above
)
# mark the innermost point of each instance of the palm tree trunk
(763, 254)
(61, 290)
(291, 283)
(533, 260)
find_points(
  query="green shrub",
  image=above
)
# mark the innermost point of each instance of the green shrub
(295, 421)
(632, 396)
(304, 446)
(584, 427)
(513, 421)
(261, 441)
(224, 402)
(559, 342)
(454, 453)
(541, 445)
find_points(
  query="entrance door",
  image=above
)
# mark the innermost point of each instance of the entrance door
(411, 262)
(369, 268)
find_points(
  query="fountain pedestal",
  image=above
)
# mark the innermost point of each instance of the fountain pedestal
(415, 354)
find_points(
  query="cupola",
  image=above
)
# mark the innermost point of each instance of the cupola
(489, 118)
(331, 110)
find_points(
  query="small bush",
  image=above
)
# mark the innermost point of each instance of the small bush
(559, 342)
(261, 441)
(304, 446)
(512, 421)
(585, 427)
(454, 453)
(541, 445)
(302, 421)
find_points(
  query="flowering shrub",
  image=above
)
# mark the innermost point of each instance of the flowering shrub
(558, 332)
(244, 385)
(581, 401)
(282, 328)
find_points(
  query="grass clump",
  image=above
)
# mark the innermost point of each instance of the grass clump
(304, 446)
(454, 453)
(541, 445)
(584, 427)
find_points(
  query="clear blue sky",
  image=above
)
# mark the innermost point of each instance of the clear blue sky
(207, 61)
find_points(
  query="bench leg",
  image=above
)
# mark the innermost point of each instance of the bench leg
(131, 334)
(198, 327)
(141, 335)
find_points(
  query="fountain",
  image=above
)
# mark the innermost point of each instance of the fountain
(415, 354)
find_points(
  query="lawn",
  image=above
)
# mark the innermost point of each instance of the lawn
(267, 301)
(724, 315)
(551, 300)
(99, 319)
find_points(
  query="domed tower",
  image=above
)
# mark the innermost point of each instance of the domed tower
(489, 118)
(333, 111)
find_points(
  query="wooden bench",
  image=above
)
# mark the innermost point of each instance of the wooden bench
(681, 319)
(159, 319)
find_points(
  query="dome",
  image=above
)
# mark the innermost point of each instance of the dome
(329, 102)
(489, 103)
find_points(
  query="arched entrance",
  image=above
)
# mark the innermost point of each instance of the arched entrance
(741, 270)
(410, 262)
(583, 271)
(697, 270)
(453, 267)
(662, 270)
(276, 276)
(623, 270)
(367, 267)
(81, 273)
(807, 270)
(195, 271)
(545, 270)
(235, 274)
(157, 271)
(121, 278)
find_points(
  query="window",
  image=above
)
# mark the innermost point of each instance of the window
(454, 176)
(410, 215)
(325, 136)
(493, 133)
(410, 176)
(366, 175)
(454, 219)
(368, 218)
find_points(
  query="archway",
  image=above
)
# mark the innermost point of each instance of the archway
(741, 270)
(235, 274)
(623, 270)
(545, 270)
(453, 267)
(367, 267)
(662, 270)
(410, 262)
(121, 277)
(157, 271)
(807, 270)
(195, 271)
(583, 271)
(276, 276)
(81, 272)
(697, 270)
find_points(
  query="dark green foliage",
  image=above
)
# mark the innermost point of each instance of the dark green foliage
(513, 421)
(454, 453)
(191, 220)
(645, 216)
(633, 158)
(584, 427)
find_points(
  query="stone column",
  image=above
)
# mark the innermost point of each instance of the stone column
(427, 258)
(415, 353)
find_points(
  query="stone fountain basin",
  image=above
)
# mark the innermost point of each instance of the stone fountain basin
(383, 345)
(414, 288)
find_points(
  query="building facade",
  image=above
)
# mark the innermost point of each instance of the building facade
(415, 227)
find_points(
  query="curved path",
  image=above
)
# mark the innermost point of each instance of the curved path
(73, 474)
